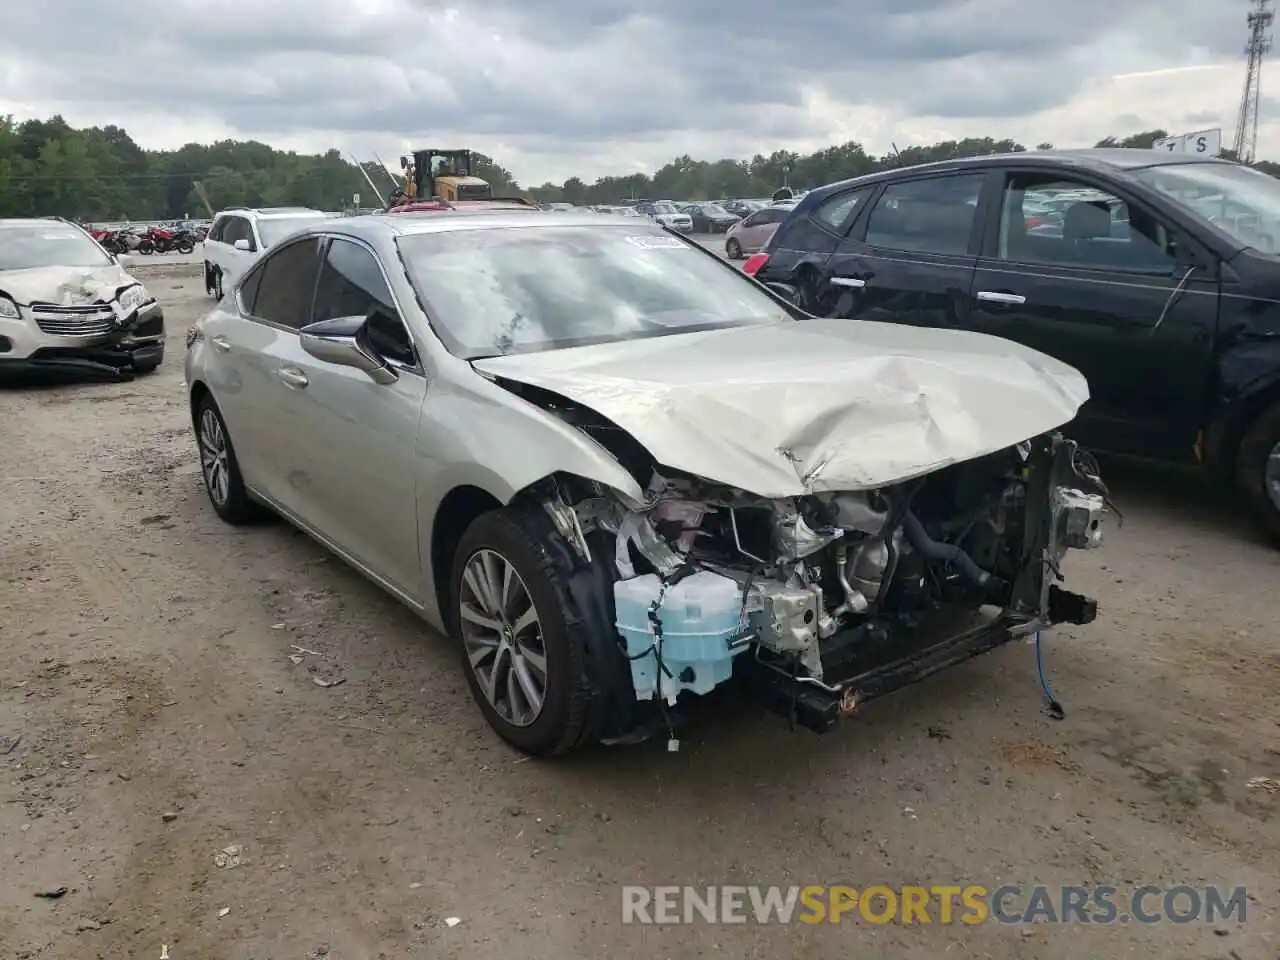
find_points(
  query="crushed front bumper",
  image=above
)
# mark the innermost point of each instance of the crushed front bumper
(133, 344)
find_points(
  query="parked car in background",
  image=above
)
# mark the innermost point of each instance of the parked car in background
(240, 236)
(710, 218)
(579, 468)
(750, 234)
(1151, 273)
(67, 303)
(666, 213)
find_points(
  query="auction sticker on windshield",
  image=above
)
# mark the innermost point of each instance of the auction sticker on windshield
(651, 242)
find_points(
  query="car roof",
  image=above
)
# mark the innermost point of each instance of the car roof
(443, 221)
(1097, 159)
(35, 222)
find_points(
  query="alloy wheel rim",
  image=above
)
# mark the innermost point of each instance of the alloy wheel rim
(213, 457)
(503, 637)
(1271, 477)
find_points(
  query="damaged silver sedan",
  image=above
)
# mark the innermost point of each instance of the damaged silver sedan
(622, 475)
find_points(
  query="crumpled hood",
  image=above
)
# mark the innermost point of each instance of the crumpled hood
(787, 409)
(65, 286)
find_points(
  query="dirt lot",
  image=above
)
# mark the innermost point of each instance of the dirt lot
(157, 682)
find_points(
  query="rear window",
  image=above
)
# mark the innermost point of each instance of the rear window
(491, 292)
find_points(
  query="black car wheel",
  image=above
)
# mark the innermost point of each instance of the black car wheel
(733, 249)
(523, 660)
(1258, 470)
(220, 468)
(217, 283)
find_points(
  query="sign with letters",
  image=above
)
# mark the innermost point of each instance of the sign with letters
(1202, 143)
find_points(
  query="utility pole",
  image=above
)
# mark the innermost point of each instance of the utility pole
(1260, 19)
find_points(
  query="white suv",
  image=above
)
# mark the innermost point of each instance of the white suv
(240, 235)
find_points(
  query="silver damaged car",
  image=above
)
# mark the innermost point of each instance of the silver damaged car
(622, 475)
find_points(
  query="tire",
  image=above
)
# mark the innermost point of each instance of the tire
(1261, 443)
(233, 506)
(559, 725)
(185, 248)
(217, 283)
(733, 249)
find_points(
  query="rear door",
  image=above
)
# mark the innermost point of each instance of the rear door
(283, 285)
(801, 247)
(910, 257)
(1111, 288)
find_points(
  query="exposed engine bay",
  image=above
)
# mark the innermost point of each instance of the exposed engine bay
(707, 576)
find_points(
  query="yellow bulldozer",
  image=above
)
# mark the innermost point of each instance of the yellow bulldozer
(442, 177)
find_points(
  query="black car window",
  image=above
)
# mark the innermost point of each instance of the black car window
(215, 232)
(926, 216)
(288, 281)
(352, 285)
(1056, 221)
(837, 211)
(249, 288)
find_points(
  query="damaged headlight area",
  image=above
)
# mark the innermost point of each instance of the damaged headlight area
(823, 601)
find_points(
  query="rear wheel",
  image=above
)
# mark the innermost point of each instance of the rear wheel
(733, 249)
(1258, 470)
(522, 656)
(219, 467)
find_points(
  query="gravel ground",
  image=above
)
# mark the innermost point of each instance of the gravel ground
(160, 684)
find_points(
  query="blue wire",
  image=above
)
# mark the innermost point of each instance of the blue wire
(1055, 708)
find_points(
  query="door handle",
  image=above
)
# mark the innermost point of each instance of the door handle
(852, 282)
(993, 296)
(221, 344)
(292, 377)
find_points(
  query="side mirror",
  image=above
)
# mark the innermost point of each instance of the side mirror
(125, 260)
(242, 245)
(341, 341)
(786, 292)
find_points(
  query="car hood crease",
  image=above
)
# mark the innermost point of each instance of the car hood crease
(65, 286)
(788, 409)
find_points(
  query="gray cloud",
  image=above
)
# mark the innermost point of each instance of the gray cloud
(560, 76)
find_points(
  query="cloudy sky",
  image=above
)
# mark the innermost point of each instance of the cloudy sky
(556, 88)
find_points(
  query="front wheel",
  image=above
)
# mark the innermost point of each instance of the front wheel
(185, 247)
(217, 283)
(1258, 470)
(523, 659)
(733, 250)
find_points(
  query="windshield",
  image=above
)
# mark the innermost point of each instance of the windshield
(276, 229)
(715, 210)
(1240, 200)
(54, 245)
(499, 291)
(664, 206)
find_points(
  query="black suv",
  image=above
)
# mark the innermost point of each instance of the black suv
(1156, 275)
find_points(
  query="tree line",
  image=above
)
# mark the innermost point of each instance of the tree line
(49, 168)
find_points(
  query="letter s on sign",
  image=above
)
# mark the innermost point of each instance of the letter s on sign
(1202, 145)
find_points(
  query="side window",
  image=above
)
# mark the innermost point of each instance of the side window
(215, 232)
(1052, 220)
(927, 216)
(754, 220)
(288, 281)
(352, 285)
(840, 209)
(249, 288)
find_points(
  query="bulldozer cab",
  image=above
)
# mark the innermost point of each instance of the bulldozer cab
(447, 174)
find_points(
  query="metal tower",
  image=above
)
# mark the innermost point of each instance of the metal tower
(1260, 19)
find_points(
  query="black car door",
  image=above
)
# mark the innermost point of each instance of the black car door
(802, 245)
(910, 257)
(1112, 288)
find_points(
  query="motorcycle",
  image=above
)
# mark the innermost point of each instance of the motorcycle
(164, 240)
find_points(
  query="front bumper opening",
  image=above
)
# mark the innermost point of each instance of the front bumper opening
(876, 659)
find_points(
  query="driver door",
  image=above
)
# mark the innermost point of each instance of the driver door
(358, 438)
